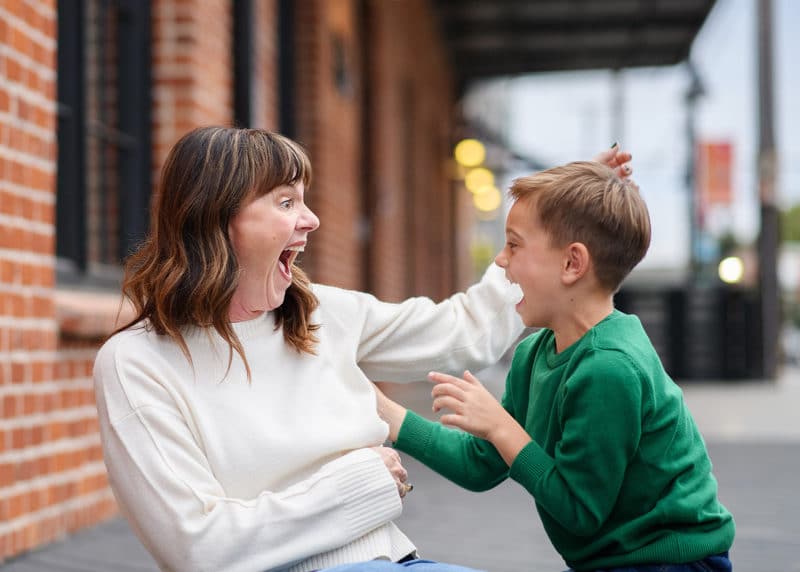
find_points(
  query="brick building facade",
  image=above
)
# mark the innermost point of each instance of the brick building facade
(92, 96)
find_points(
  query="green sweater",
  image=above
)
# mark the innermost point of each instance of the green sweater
(616, 465)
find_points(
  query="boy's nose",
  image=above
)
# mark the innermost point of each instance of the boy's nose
(501, 260)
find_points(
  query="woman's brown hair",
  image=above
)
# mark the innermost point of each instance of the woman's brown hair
(185, 273)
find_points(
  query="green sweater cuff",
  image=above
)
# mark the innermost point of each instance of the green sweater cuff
(529, 466)
(414, 434)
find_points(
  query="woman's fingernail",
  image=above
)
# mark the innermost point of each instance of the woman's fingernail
(614, 144)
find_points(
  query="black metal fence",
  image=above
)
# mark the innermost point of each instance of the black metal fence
(700, 332)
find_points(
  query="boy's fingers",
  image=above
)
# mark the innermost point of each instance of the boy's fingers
(471, 378)
(437, 377)
(446, 402)
(451, 420)
(445, 389)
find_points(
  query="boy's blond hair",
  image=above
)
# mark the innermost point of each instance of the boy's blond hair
(587, 202)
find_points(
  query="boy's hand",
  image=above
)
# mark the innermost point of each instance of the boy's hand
(474, 409)
(617, 159)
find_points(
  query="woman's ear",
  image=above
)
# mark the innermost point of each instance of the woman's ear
(576, 263)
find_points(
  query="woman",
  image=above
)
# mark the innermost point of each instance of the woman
(237, 417)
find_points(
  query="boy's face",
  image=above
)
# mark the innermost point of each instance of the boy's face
(530, 261)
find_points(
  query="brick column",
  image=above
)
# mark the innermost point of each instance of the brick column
(52, 478)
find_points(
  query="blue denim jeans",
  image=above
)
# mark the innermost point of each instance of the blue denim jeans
(416, 565)
(716, 563)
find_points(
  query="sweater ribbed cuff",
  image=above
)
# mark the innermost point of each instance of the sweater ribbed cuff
(414, 435)
(367, 491)
(529, 466)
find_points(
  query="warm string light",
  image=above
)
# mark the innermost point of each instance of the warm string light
(470, 155)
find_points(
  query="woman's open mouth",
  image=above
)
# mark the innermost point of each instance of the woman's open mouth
(287, 258)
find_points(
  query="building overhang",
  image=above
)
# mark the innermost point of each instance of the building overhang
(490, 38)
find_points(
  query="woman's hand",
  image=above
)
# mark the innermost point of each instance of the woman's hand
(391, 459)
(617, 159)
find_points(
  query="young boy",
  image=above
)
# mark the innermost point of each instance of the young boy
(590, 423)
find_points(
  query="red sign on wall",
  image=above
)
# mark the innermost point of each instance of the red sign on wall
(714, 172)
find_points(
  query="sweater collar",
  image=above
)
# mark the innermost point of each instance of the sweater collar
(255, 327)
(248, 329)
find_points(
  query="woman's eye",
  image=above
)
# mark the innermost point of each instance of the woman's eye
(287, 203)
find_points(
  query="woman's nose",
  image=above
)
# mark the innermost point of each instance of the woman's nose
(308, 220)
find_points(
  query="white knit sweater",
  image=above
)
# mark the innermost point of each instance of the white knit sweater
(218, 473)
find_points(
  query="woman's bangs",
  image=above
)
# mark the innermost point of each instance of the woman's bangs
(282, 163)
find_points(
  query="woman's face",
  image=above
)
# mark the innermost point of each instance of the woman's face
(267, 234)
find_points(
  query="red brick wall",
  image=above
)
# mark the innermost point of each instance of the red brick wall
(328, 124)
(52, 478)
(404, 193)
(192, 69)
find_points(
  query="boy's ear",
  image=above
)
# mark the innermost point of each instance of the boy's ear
(575, 264)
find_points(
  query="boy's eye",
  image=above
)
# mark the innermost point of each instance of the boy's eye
(511, 245)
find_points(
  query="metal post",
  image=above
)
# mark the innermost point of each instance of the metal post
(617, 105)
(768, 237)
(693, 93)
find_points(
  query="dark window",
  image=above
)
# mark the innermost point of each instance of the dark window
(243, 63)
(286, 67)
(103, 136)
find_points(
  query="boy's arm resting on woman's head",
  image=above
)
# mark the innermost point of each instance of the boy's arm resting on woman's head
(600, 414)
(165, 486)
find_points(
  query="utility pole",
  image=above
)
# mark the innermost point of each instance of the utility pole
(693, 93)
(767, 163)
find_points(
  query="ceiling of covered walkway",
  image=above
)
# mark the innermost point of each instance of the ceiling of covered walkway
(488, 38)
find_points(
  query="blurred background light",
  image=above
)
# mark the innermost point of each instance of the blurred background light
(488, 199)
(470, 152)
(476, 180)
(731, 270)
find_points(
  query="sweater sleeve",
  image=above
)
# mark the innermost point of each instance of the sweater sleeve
(466, 460)
(600, 416)
(403, 342)
(165, 486)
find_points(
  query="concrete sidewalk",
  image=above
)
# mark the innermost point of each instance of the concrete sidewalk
(753, 434)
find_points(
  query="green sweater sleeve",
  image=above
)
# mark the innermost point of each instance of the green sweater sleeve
(469, 462)
(466, 460)
(599, 409)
